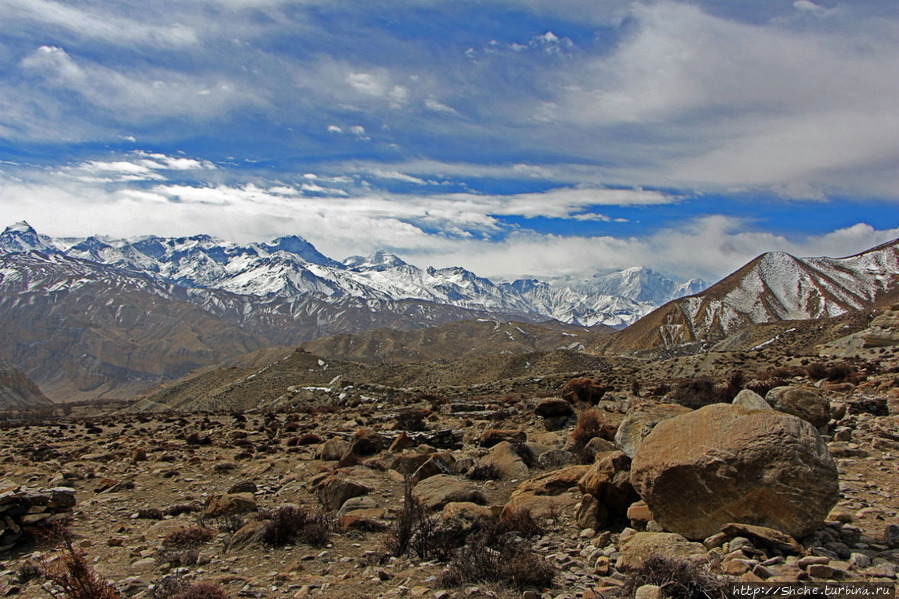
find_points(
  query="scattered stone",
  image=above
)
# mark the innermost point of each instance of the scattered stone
(750, 400)
(506, 461)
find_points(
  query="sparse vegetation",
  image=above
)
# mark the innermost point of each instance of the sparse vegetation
(202, 590)
(590, 424)
(583, 390)
(290, 523)
(678, 578)
(72, 576)
(497, 554)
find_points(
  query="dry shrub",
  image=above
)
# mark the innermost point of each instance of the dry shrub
(291, 523)
(678, 578)
(496, 555)
(584, 390)
(72, 575)
(838, 373)
(412, 419)
(203, 590)
(590, 424)
(484, 472)
(168, 586)
(816, 371)
(695, 392)
(188, 536)
(309, 439)
(398, 539)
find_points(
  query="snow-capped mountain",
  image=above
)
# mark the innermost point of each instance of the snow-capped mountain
(774, 286)
(290, 268)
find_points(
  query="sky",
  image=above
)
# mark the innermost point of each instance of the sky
(511, 137)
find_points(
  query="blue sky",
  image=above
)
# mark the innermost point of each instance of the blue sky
(512, 137)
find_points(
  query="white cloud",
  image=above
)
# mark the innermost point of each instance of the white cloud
(131, 95)
(717, 102)
(434, 105)
(102, 24)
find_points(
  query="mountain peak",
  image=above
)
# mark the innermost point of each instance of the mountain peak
(21, 227)
(294, 244)
(21, 237)
(379, 260)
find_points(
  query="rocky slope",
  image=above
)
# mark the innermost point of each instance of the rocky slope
(176, 499)
(773, 287)
(18, 392)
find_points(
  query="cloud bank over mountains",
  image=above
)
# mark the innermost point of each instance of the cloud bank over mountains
(510, 137)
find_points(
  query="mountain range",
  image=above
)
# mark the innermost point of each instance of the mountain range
(773, 287)
(97, 317)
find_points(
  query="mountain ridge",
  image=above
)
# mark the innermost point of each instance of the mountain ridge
(774, 286)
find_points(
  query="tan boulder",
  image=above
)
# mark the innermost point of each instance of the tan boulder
(506, 461)
(333, 491)
(229, 504)
(644, 545)
(609, 481)
(721, 464)
(800, 402)
(552, 483)
(436, 491)
(640, 420)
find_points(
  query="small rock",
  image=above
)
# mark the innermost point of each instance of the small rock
(649, 591)
(891, 536)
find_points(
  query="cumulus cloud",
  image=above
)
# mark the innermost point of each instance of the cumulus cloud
(741, 104)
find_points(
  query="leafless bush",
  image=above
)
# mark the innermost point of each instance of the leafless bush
(678, 578)
(72, 576)
(589, 425)
(484, 472)
(290, 523)
(493, 555)
(167, 587)
(202, 590)
(188, 536)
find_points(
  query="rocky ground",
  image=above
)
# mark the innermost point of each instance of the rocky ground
(482, 453)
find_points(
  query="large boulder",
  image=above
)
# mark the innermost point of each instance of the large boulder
(640, 420)
(800, 402)
(722, 463)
